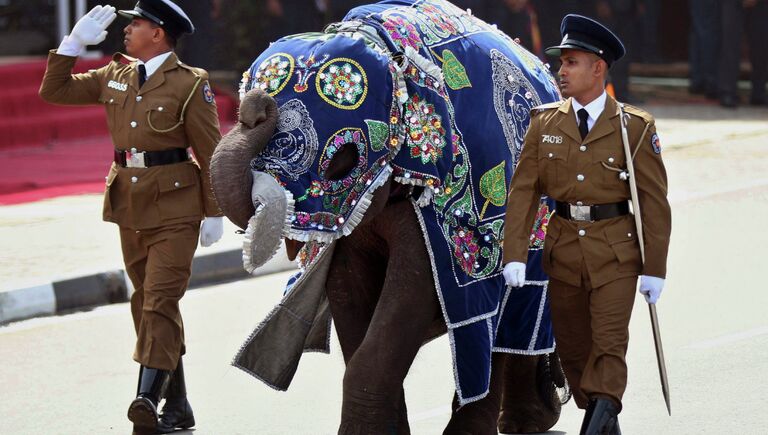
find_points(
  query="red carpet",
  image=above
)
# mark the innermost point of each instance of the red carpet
(47, 150)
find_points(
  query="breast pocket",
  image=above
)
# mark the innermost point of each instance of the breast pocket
(114, 103)
(608, 164)
(179, 195)
(164, 115)
(553, 160)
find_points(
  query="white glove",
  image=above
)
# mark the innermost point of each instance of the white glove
(89, 30)
(514, 273)
(650, 287)
(211, 231)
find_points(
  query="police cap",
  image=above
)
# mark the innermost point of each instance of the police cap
(164, 13)
(586, 34)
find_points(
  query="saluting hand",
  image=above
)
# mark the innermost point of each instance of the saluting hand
(91, 28)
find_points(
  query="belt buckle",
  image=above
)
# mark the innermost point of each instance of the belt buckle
(580, 213)
(134, 160)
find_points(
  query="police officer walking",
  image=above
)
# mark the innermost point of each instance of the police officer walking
(156, 108)
(573, 152)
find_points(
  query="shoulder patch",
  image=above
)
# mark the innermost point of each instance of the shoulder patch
(208, 92)
(656, 143)
(548, 106)
(123, 58)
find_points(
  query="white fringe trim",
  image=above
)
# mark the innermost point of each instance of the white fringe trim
(250, 239)
(357, 215)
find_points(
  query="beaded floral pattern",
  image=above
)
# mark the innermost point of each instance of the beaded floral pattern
(342, 83)
(426, 134)
(402, 32)
(466, 249)
(539, 231)
(274, 73)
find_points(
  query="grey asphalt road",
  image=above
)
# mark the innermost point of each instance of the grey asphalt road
(73, 374)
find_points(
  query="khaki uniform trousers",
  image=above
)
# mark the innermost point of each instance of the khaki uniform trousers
(158, 262)
(591, 328)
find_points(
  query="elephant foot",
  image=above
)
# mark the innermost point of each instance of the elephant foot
(476, 418)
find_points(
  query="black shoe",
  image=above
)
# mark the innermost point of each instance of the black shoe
(601, 418)
(143, 410)
(177, 412)
(729, 101)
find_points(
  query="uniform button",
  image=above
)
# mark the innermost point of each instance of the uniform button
(583, 148)
(550, 155)
(134, 179)
(134, 124)
(138, 97)
(579, 203)
(134, 150)
(582, 233)
(177, 184)
(629, 234)
(610, 160)
(111, 100)
(160, 109)
(580, 177)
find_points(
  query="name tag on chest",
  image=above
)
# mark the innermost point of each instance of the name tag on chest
(118, 86)
(546, 138)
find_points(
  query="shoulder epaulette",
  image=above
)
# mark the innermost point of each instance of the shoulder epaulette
(636, 111)
(119, 57)
(199, 72)
(545, 107)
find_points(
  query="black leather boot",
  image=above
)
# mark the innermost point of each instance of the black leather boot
(143, 409)
(601, 418)
(177, 412)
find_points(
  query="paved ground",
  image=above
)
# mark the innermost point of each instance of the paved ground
(73, 374)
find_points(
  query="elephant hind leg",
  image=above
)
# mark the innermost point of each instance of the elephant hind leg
(480, 417)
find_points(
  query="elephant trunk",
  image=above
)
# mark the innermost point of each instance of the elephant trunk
(231, 177)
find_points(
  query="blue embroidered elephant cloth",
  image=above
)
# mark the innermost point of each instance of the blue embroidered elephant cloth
(439, 100)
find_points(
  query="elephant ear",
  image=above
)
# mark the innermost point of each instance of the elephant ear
(231, 177)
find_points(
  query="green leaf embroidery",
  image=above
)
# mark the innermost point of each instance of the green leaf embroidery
(493, 187)
(378, 132)
(454, 72)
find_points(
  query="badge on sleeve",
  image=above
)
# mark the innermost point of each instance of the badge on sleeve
(656, 143)
(207, 92)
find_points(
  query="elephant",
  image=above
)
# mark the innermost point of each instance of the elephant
(379, 152)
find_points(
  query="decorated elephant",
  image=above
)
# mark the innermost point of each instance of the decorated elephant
(380, 151)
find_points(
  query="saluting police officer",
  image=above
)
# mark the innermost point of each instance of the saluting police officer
(573, 152)
(156, 108)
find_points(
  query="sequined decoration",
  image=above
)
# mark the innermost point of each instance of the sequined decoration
(342, 83)
(539, 231)
(426, 134)
(403, 33)
(304, 71)
(295, 143)
(466, 249)
(345, 136)
(274, 73)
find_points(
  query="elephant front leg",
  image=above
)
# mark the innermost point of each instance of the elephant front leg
(373, 401)
(480, 417)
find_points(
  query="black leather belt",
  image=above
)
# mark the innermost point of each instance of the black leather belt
(590, 213)
(144, 159)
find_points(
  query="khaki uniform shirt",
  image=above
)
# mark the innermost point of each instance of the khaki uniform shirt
(555, 161)
(148, 119)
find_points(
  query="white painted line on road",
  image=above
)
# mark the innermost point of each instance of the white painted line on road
(728, 339)
(426, 415)
(27, 302)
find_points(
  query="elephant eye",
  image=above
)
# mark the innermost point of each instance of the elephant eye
(343, 161)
